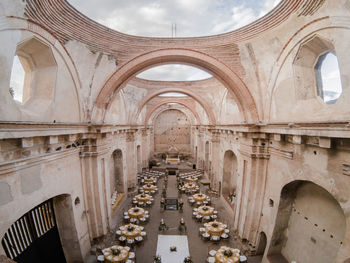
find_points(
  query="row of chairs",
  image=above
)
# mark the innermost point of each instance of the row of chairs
(136, 221)
(204, 219)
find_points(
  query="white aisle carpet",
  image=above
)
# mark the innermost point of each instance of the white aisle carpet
(167, 241)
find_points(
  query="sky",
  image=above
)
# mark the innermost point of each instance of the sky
(155, 18)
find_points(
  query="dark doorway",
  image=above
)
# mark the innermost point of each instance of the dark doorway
(34, 237)
(171, 204)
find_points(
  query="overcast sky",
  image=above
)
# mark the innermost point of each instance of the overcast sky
(154, 18)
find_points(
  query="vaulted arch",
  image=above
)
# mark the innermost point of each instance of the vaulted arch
(197, 98)
(222, 72)
(154, 111)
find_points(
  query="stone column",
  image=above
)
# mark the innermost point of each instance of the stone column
(216, 172)
(94, 183)
(131, 158)
(252, 191)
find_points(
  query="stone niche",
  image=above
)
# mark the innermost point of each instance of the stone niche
(304, 66)
(40, 69)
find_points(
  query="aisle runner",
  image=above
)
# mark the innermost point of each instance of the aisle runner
(167, 241)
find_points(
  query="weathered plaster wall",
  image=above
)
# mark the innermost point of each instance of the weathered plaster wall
(172, 129)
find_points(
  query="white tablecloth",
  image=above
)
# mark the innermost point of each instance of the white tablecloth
(167, 241)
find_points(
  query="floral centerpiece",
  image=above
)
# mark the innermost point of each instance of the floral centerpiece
(116, 251)
(130, 228)
(136, 210)
(205, 208)
(157, 259)
(188, 260)
(228, 253)
(142, 195)
(215, 225)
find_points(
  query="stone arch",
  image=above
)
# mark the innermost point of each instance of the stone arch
(117, 172)
(309, 218)
(154, 112)
(229, 177)
(53, 220)
(208, 111)
(222, 72)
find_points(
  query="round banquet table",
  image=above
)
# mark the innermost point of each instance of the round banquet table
(149, 187)
(191, 179)
(150, 180)
(215, 228)
(205, 210)
(111, 258)
(143, 198)
(199, 197)
(221, 258)
(136, 212)
(190, 186)
(130, 230)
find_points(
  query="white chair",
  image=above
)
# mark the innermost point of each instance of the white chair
(138, 239)
(143, 233)
(212, 252)
(142, 219)
(118, 232)
(224, 236)
(122, 239)
(243, 259)
(205, 235)
(130, 241)
(215, 212)
(195, 209)
(215, 238)
(142, 228)
(214, 217)
(211, 260)
(100, 258)
(127, 248)
(227, 230)
(126, 213)
(201, 229)
(131, 255)
(129, 261)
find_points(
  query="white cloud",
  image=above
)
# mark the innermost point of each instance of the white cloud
(192, 18)
(17, 79)
(174, 72)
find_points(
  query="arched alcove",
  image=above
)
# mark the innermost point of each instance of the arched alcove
(206, 157)
(262, 244)
(310, 224)
(117, 172)
(229, 173)
(139, 161)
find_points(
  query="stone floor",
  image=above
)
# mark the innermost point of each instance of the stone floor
(198, 247)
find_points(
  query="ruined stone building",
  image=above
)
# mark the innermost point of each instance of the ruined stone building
(264, 129)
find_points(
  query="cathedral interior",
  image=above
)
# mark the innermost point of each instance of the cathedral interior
(249, 165)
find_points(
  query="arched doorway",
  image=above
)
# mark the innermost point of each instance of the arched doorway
(229, 174)
(138, 154)
(46, 233)
(310, 224)
(262, 244)
(117, 172)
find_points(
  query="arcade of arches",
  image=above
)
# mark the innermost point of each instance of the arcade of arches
(270, 135)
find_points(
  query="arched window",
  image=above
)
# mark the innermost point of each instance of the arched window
(328, 80)
(17, 79)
